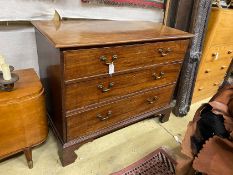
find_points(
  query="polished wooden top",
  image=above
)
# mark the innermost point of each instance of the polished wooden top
(82, 33)
(28, 86)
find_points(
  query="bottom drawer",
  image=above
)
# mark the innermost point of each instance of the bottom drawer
(96, 119)
(205, 88)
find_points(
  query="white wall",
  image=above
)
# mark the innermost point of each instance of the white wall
(17, 43)
(44, 9)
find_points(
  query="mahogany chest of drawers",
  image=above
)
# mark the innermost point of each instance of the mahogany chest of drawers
(101, 76)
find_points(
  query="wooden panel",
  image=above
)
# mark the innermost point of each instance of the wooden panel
(85, 123)
(86, 93)
(213, 69)
(80, 33)
(222, 26)
(52, 79)
(223, 37)
(23, 120)
(215, 53)
(204, 94)
(226, 18)
(85, 63)
(206, 88)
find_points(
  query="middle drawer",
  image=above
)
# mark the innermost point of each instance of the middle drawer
(107, 88)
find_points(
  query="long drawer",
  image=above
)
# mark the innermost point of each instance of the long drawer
(92, 62)
(96, 119)
(102, 89)
(213, 69)
(216, 53)
(205, 88)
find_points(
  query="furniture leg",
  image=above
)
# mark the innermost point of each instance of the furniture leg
(28, 155)
(67, 155)
(165, 116)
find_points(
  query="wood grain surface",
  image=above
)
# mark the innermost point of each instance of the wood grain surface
(86, 62)
(23, 115)
(80, 33)
(87, 102)
(87, 122)
(87, 92)
(217, 54)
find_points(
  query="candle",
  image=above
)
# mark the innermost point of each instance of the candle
(2, 61)
(6, 72)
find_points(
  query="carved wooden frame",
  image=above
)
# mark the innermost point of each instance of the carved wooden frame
(197, 25)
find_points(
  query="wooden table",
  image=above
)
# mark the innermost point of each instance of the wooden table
(23, 122)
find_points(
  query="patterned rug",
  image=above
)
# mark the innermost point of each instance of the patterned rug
(140, 3)
(156, 163)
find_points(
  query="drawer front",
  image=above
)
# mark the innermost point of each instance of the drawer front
(223, 37)
(213, 69)
(226, 20)
(206, 84)
(105, 88)
(219, 53)
(205, 88)
(106, 116)
(91, 62)
(204, 94)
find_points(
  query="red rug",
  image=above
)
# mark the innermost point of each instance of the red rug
(156, 163)
(141, 3)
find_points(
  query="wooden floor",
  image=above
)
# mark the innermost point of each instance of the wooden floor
(107, 154)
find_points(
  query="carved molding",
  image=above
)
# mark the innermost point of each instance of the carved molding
(118, 125)
(198, 25)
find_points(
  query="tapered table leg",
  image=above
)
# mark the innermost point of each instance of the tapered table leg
(28, 155)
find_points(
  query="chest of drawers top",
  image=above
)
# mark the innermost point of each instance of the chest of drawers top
(91, 33)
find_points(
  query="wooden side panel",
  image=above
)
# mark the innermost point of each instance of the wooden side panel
(94, 120)
(51, 77)
(217, 54)
(223, 31)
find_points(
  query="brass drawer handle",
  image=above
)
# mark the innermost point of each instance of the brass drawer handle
(160, 76)
(207, 71)
(229, 52)
(152, 100)
(104, 89)
(102, 118)
(164, 52)
(106, 61)
(216, 84)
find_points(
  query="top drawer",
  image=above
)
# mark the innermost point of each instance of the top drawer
(214, 53)
(92, 62)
